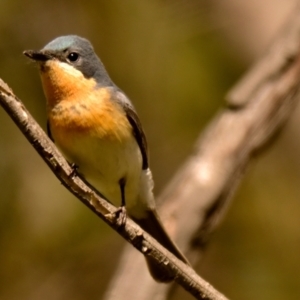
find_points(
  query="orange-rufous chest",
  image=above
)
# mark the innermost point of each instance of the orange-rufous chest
(93, 114)
(76, 106)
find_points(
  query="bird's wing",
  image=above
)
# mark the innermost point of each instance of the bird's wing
(138, 134)
(136, 126)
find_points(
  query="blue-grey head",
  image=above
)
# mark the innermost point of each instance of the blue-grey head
(75, 51)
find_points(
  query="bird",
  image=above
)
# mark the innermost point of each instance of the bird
(96, 127)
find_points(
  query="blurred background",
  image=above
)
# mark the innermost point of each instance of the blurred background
(175, 60)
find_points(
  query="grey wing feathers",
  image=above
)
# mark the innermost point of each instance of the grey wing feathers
(136, 125)
(139, 135)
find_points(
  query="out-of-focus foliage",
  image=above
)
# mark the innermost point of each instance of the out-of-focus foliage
(175, 60)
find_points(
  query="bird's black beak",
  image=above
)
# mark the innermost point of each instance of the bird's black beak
(39, 56)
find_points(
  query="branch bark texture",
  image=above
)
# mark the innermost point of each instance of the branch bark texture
(197, 197)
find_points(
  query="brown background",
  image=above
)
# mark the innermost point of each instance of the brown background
(175, 60)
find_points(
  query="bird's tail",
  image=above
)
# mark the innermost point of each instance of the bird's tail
(147, 217)
(151, 223)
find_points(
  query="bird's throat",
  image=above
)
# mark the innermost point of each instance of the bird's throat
(63, 82)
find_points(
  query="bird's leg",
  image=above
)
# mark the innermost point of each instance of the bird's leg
(74, 168)
(120, 213)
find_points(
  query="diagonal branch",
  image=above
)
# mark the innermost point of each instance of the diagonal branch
(183, 274)
(196, 199)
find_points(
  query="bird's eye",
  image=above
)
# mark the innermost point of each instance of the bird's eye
(73, 56)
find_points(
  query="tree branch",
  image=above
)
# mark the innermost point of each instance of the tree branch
(196, 199)
(183, 274)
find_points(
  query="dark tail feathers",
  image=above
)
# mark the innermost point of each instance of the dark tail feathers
(152, 224)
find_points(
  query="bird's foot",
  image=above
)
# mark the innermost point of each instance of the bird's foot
(119, 216)
(74, 168)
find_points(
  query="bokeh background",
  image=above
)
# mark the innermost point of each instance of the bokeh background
(175, 60)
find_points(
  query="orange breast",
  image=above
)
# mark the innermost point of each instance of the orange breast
(76, 106)
(94, 114)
